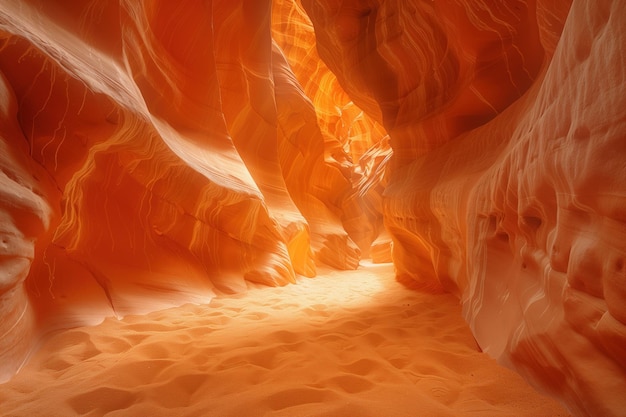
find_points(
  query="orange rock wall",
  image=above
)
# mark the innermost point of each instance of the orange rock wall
(507, 123)
(155, 153)
(356, 149)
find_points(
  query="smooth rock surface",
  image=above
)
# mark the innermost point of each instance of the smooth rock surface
(507, 185)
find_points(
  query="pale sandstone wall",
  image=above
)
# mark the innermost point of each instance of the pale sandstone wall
(507, 123)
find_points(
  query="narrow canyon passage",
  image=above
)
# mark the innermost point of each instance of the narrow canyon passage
(352, 343)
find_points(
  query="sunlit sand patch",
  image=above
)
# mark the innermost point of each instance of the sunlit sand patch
(351, 343)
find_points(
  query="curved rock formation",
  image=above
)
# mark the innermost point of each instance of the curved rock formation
(507, 182)
(355, 147)
(148, 166)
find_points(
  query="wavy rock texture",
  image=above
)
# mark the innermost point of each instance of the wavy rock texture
(507, 124)
(355, 147)
(155, 153)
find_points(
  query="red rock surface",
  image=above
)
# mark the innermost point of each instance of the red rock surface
(156, 153)
(507, 182)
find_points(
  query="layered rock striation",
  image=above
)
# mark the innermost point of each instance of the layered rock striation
(507, 124)
(156, 154)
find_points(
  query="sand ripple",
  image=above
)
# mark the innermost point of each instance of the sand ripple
(343, 344)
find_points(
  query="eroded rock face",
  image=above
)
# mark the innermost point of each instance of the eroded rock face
(154, 153)
(348, 161)
(24, 215)
(507, 183)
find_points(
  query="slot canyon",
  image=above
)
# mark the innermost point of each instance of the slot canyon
(313, 208)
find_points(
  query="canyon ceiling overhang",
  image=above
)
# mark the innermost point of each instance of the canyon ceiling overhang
(156, 153)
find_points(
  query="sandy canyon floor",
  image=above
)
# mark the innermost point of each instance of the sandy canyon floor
(352, 343)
